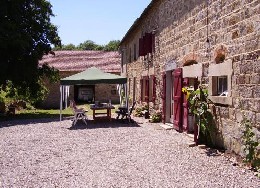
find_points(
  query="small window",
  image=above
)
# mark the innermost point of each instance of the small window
(148, 90)
(220, 82)
(145, 89)
(222, 85)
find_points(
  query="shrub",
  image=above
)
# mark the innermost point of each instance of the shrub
(156, 117)
(138, 112)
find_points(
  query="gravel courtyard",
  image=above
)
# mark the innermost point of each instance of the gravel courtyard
(47, 153)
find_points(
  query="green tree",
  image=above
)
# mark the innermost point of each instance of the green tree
(26, 34)
(89, 45)
(68, 47)
(113, 45)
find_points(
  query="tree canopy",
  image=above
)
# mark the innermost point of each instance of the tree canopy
(26, 34)
(88, 45)
(112, 45)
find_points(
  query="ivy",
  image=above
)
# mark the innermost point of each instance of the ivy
(250, 145)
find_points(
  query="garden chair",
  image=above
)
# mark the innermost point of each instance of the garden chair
(79, 113)
(126, 114)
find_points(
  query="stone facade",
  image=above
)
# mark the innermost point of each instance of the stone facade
(201, 31)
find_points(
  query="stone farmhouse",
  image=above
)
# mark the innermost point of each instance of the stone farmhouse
(198, 42)
(72, 62)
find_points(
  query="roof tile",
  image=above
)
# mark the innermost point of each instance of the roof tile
(82, 60)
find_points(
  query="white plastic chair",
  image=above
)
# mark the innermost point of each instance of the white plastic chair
(79, 113)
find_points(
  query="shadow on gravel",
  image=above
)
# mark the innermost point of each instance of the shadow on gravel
(211, 152)
(16, 122)
(91, 124)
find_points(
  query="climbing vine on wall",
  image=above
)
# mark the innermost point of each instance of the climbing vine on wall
(199, 106)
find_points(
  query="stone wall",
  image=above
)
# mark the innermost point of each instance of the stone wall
(106, 92)
(182, 29)
(52, 100)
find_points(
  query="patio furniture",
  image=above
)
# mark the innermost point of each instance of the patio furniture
(90, 76)
(79, 113)
(101, 107)
(122, 111)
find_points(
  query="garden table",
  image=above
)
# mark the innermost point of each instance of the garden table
(97, 108)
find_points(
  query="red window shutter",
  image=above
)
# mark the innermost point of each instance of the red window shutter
(148, 43)
(163, 95)
(154, 88)
(177, 99)
(142, 92)
(146, 89)
(144, 44)
(141, 47)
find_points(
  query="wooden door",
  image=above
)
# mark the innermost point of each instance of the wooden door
(177, 97)
(171, 101)
(163, 95)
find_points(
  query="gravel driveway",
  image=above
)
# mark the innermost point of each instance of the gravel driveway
(47, 153)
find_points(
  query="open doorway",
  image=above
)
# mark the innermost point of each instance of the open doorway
(169, 99)
(84, 93)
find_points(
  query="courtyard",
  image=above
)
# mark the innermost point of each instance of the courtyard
(49, 153)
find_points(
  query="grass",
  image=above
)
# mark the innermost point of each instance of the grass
(50, 113)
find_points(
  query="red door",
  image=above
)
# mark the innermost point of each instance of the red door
(185, 109)
(177, 97)
(163, 94)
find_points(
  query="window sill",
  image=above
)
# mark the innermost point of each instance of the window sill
(221, 99)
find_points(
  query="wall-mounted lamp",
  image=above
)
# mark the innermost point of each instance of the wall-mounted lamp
(207, 44)
(207, 47)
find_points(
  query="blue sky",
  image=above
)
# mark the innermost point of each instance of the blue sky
(98, 20)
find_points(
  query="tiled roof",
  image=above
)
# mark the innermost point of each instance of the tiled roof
(81, 60)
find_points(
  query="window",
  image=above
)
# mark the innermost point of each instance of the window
(148, 88)
(220, 82)
(147, 44)
(222, 85)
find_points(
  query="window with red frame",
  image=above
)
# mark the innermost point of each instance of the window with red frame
(148, 88)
